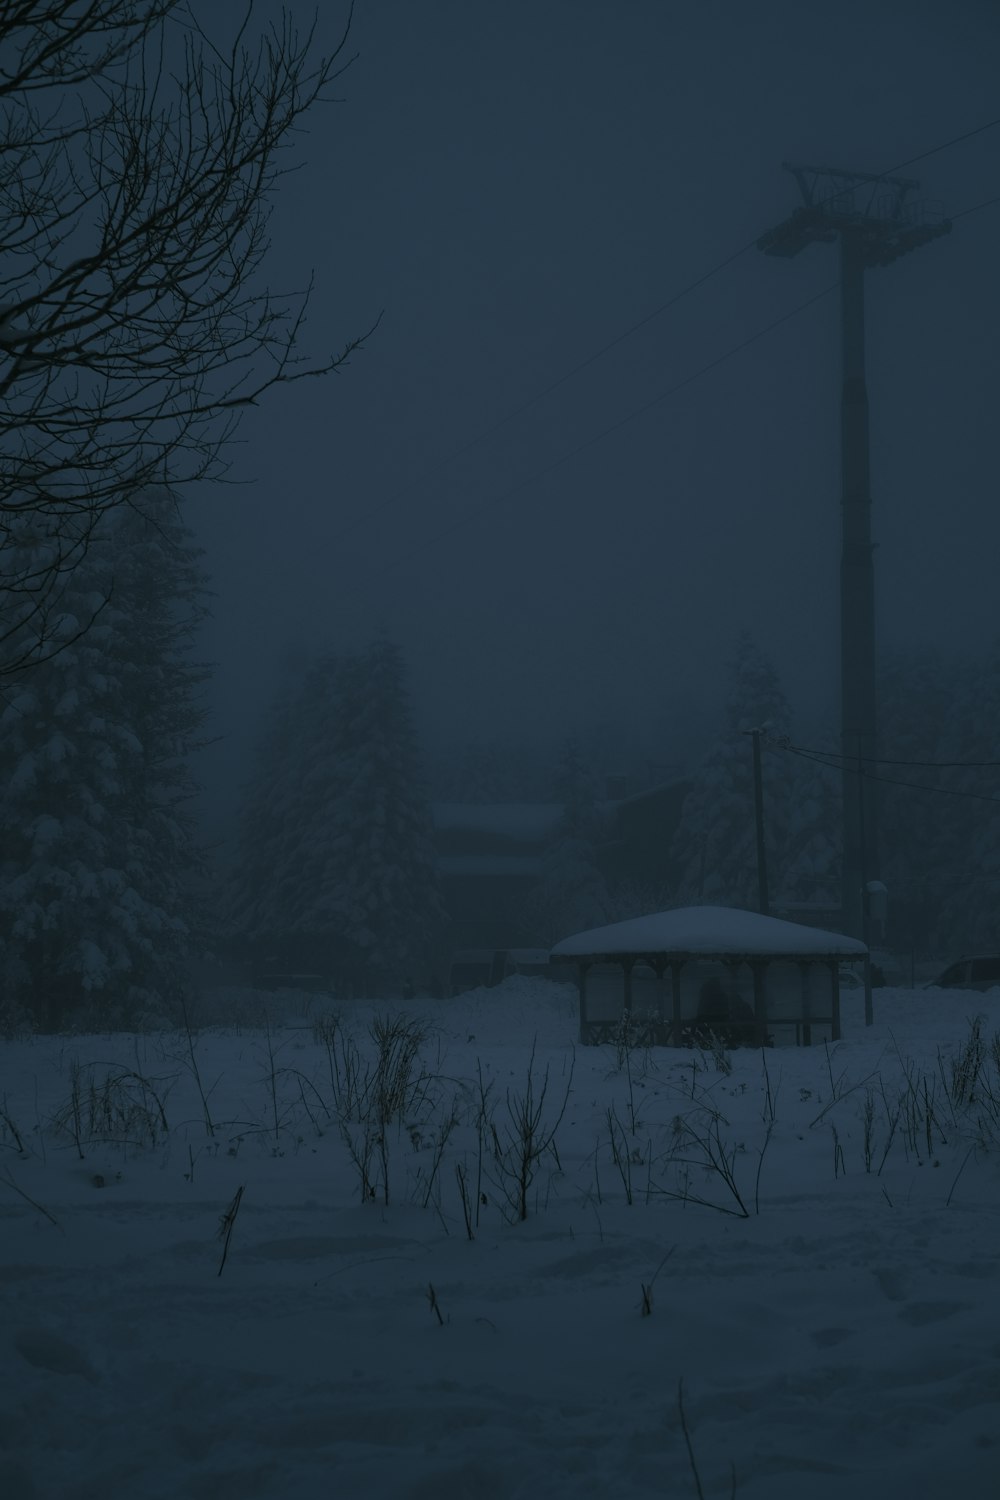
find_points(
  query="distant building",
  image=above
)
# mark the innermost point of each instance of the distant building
(489, 859)
(490, 856)
(641, 831)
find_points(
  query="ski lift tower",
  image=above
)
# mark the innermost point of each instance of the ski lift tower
(875, 220)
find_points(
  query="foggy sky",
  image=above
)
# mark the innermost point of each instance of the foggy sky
(514, 186)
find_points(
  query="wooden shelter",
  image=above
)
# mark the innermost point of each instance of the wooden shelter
(703, 972)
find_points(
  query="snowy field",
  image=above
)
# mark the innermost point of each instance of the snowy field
(813, 1249)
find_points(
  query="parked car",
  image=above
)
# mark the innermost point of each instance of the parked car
(981, 971)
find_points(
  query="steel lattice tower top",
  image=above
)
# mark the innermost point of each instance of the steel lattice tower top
(878, 211)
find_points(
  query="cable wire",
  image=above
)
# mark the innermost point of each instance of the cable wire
(363, 518)
(956, 140)
(881, 760)
(487, 432)
(917, 786)
(988, 203)
(545, 469)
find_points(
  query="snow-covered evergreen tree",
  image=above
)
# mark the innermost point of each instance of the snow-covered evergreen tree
(98, 852)
(266, 886)
(386, 889)
(808, 868)
(714, 848)
(337, 860)
(489, 773)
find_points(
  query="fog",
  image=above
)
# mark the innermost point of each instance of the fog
(513, 188)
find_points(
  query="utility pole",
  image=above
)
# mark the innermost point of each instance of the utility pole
(875, 221)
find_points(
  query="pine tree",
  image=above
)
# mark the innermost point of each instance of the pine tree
(266, 881)
(337, 863)
(383, 849)
(482, 774)
(714, 849)
(809, 868)
(98, 851)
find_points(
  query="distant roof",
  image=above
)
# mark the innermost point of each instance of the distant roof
(679, 783)
(522, 822)
(708, 931)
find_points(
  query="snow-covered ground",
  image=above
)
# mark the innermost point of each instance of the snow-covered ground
(835, 1322)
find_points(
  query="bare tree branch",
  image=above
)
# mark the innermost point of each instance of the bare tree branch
(138, 162)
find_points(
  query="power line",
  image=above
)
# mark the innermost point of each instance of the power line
(597, 437)
(956, 140)
(487, 432)
(541, 472)
(363, 517)
(989, 202)
(883, 760)
(631, 416)
(822, 758)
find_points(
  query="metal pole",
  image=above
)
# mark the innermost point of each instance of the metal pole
(840, 205)
(758, 805)
(857, 581)
(866, 934)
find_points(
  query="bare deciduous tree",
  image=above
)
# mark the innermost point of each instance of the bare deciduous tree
(138, 158)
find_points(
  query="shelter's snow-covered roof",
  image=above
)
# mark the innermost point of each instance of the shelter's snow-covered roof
(696, 931)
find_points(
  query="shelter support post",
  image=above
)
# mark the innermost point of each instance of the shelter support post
(675, 998)
(627, 964)
(760, 999)
(582, 979)
(805, 1016)
(835, 1001)
(661, 998)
